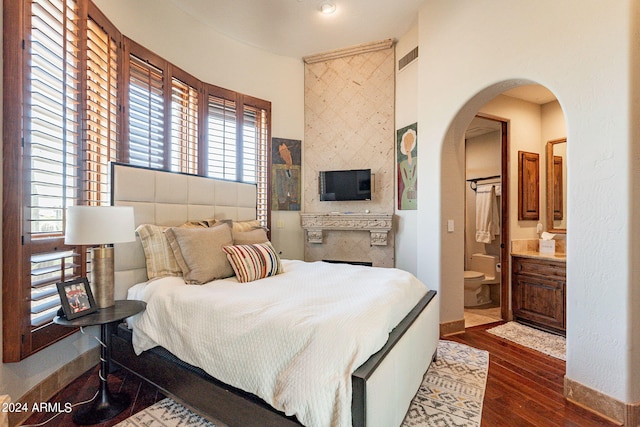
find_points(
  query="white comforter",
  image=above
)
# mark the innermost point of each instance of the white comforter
(293, 339)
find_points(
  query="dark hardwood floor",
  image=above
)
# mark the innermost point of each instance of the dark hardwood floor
(524, 388)
(84, 388)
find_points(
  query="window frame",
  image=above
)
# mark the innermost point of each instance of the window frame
(20, 339)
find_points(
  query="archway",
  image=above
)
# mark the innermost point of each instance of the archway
(529, 129)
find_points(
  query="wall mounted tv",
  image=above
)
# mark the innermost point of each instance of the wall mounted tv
(345, 185)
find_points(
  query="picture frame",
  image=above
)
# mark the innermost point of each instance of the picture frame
(76, 298)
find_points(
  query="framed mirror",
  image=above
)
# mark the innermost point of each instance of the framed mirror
(557, 185)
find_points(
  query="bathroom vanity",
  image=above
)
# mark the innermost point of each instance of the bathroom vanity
(539, 290)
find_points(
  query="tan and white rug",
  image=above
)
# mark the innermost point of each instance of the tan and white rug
(165, 413)
(544, 342)
(451, 395)
(452, 390)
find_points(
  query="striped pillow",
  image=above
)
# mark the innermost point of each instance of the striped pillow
(253, 262)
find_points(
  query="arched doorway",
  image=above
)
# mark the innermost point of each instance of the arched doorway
(531, 123)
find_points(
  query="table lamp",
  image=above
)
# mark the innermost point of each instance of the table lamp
(100, 225)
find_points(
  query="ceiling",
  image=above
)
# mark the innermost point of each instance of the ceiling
(297, 28)
(536, 94)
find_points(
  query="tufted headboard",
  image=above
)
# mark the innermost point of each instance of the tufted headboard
(170, 198)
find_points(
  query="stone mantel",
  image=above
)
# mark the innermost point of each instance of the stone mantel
(376, 223)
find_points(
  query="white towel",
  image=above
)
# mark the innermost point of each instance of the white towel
(487, 215)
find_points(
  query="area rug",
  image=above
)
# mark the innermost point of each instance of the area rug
(544, 342)
(452, 390)
(451, 395)
(165, 413)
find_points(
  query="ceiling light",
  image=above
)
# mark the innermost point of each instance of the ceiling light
(327, 7)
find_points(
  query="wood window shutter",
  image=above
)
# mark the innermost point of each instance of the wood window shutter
(77, 96)
(184, 127)
(222, 132)
(255, 156)
(101, 120)
(52, 147)
(146, 114)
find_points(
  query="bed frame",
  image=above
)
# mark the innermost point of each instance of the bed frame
(383, 386)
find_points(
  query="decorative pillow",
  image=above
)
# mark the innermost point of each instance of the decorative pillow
(259, 235)
(253, 262)
(198, 252)
(246, 225)
(211, 222)
(195, 224)
(157, 252)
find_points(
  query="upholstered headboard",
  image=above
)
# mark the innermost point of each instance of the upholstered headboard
(170, 198)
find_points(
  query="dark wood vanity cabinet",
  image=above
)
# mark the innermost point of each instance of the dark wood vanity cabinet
(539, 293)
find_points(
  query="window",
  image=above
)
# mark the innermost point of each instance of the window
(238, 142)
(146, 114)
(184, 127)
(77, 96)
(255, 158)
(222, 136)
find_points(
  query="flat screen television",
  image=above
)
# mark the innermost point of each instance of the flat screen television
(345, 185)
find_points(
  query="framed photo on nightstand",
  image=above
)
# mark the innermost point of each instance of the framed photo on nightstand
(76, 298)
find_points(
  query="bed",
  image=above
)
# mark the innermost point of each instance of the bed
(385, 375)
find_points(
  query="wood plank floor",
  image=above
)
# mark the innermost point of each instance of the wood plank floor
(524, 388)
(84, 388)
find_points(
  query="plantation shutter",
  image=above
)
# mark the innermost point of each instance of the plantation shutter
(221, 138)
(255, 156)
(184, 127)
(101, 124)
(51, 151)
(146, 114)
(77, 96)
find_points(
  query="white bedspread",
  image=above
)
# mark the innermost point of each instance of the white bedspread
(293, 339)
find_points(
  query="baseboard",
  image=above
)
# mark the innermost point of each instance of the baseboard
(55, 382)
(452, 328)
(624, 414)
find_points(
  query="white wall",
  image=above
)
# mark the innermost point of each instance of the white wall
(585, 61)
(407, 114)
(214, 58)
(159, 26)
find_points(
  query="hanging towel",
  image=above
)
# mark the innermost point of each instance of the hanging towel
(487, 215)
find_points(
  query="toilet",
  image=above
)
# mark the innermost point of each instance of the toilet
(482, 272)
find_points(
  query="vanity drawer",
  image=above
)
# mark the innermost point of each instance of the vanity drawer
(539, 267)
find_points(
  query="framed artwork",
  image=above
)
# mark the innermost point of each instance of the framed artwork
(286, 183)
(76, 298)
(407, 155)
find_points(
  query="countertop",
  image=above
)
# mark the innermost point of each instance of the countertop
(558, 256)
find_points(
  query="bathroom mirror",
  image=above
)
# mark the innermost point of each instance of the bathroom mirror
(557, 185)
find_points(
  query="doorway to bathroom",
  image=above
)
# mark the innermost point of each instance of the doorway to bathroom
(486, 294)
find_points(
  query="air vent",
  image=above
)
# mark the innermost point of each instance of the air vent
(408, 58)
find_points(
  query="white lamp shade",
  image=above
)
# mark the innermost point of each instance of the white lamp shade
(99, 225)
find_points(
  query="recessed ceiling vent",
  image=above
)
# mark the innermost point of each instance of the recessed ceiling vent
(408, 58)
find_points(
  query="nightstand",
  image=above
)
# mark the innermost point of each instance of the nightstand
(105, 405)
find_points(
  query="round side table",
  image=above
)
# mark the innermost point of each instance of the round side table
(106, 405)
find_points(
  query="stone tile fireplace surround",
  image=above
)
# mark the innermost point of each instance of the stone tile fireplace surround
(349, 124)
(335, 230)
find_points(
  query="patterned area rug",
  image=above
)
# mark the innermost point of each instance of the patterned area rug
(452, 390)
(451, 395)
(166, 413)
(544, 342)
